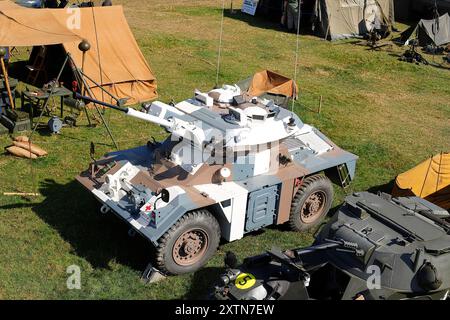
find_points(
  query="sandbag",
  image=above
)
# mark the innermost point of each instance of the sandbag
(31, 147)
(21, 139)
(19, 152)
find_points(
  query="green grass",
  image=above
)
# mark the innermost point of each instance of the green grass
(392, 114)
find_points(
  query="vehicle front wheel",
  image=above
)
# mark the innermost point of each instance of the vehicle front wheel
(189, 243)
(311, 203)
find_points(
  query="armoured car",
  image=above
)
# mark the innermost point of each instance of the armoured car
(232, 164)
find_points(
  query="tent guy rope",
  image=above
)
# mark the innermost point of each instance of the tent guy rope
(219, 54)
(297, 49)
(98, 50)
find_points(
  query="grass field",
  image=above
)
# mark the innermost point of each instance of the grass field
(392, 114)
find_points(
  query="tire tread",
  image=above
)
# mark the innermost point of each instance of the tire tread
(185, 219)
(298, 197)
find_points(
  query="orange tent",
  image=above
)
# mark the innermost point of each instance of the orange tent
(270, 82)
(429, 180)
(114, 60)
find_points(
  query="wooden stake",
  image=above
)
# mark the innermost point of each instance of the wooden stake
(21, 194)
(8, 88)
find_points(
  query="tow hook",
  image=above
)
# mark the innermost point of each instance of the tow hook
(131, 233)
(105, 209)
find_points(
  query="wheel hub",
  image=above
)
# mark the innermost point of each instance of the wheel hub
(313, 207)
(190, 247)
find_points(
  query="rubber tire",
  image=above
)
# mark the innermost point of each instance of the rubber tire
(310, 185)
(199, 218)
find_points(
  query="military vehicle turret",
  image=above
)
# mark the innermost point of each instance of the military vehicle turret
(232, 164)
(375, 248)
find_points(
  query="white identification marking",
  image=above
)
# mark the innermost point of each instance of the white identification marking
(135, 224)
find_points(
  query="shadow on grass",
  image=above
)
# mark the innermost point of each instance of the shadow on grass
(263, 23)
(285, 226)
(386, 188)
(202, 283)
(441, 65)
(98, 238)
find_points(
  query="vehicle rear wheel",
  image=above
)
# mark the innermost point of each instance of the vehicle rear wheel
(189, 244)
(311, 203)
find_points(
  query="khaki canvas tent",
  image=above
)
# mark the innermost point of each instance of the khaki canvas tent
(429, 32)
(339, 19)
(429, 180)
(114, 60)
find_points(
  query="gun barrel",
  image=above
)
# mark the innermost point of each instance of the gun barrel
(129, 111)
(319, 247)
(148, 117)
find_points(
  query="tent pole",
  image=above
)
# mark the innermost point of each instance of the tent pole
(99, 86)
(439, 172)
(5, 74)
(426, 177)
(83, 80)
(436, 23)
(77, 76)
(101, 115)
(84, 46)
(99, 57)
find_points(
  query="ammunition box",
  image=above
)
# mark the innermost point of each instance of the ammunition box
(22, 125)
(8, 123)
(17, 115)
(16, 126)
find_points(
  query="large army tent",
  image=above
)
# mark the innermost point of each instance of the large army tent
(435, 31)
(338, 19)
(429, 180)
(114, 61)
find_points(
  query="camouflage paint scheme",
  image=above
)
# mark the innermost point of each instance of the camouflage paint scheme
(145, 171)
